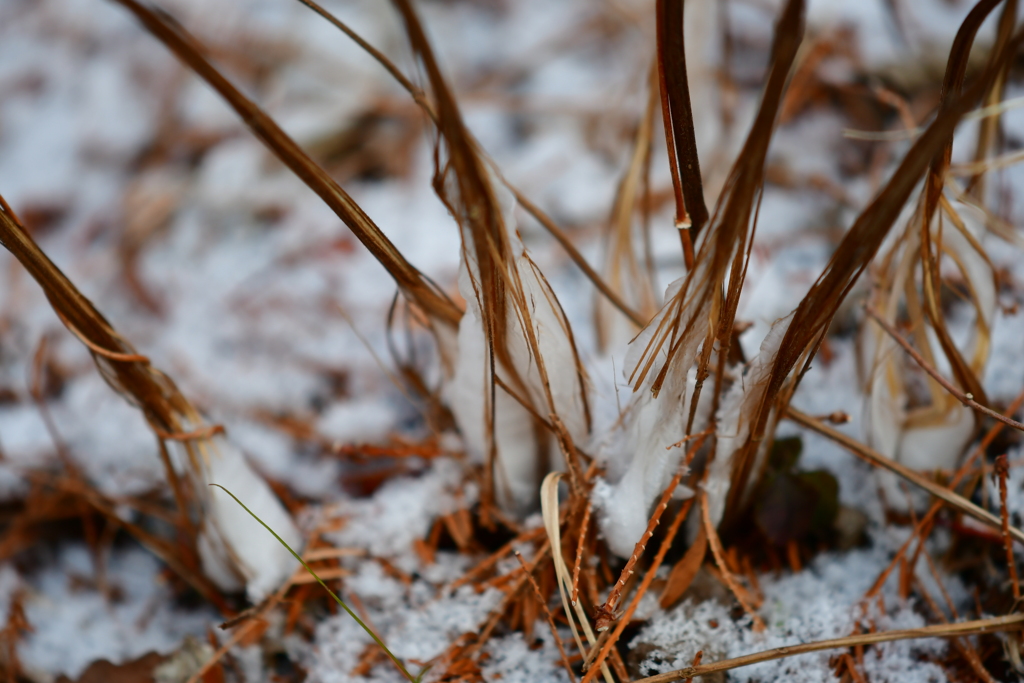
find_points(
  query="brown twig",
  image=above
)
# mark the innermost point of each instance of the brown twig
(413, 283)
(696, 662)
(579, 553)
(547, 615)
(875, 458)
(1003, 471)
(1012, 622)
(645, 583)
(606, 613)
(491, 560)
(577, 258)
(196, 434)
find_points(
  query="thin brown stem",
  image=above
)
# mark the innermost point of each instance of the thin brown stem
(966, 399)
(1012, 622)
(606, 613)
(579, 554)
(1002, 472)
(577, 257)
(649, 575)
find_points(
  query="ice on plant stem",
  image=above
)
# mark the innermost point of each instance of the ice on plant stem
(549, 385)
(654, 429)
(236, 552)
(733, 429)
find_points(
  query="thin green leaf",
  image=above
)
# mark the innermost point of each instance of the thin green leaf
(334, 595)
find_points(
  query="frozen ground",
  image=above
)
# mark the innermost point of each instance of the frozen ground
(230, 275)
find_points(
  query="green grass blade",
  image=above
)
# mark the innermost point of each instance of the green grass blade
(338, 600)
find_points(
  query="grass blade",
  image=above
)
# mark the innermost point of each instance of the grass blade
(344, 606)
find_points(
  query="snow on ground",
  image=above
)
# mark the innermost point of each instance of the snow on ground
(234, 278)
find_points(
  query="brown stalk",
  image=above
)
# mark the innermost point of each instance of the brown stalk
(492, 622)
(1002, 471)
(1013, 622)
(117, 361)
(697, 659)
(497, 284)
(417, 94)
(541, 217)
(691, 212)
(622, 263)
(716, 549)
(420, 98)
(127, 372)
(645, 583)
(606, 613)
(579, 553)
(861, 242)
(475, 205)
(875, 458)
(547, 615)
(962, 646)
(411, 281)
(705, 295)
(956, 69)
(966, 399)
(491, 560)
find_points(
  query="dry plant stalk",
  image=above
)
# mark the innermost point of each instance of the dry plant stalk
(220, 541)
(1002, 471)
(516, 345)
(438, 307)
(1013, 623)
(691, 212)
(716, 549)
(547, 615)
(606, 613)
(875, 458)
(645, 583)
(623, 270)
(549, 509)
(966, 399)
(810, 320)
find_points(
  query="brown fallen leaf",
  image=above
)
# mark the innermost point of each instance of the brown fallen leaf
(685, 570)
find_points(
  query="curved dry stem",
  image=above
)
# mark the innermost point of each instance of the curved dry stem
(966, 399)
